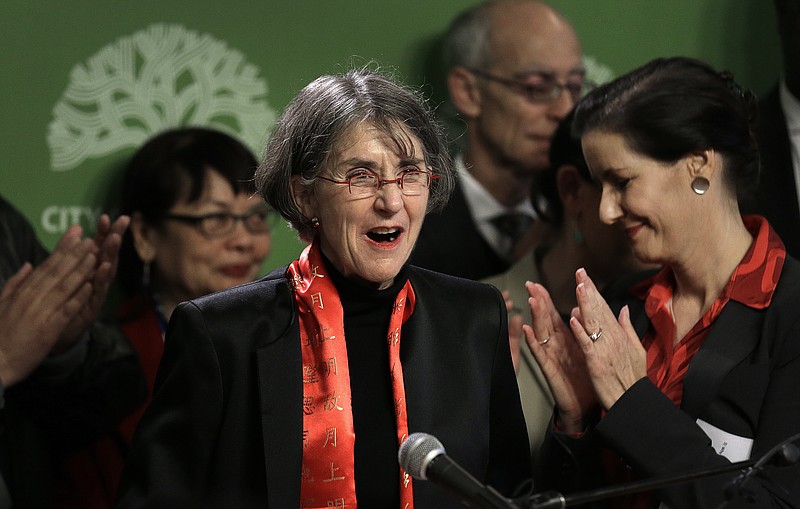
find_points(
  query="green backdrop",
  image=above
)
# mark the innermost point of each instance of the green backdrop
(282, 46)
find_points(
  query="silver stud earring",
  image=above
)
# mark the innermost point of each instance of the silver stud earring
(315, 222)
(700, 185)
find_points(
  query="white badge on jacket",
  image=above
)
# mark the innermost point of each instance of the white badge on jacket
(733, 447)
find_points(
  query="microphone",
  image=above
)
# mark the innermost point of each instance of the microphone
(422, 456)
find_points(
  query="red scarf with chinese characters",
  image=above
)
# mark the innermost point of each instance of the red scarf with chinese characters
(327, 478)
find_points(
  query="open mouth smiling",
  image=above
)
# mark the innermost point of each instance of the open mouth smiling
(382, 235)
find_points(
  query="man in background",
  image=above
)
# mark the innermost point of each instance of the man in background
(778, 134)
(514, 71)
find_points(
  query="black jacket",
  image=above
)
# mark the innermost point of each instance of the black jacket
(742, 380)
(225, 425)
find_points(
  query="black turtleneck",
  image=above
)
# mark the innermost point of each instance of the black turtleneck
(366, 324)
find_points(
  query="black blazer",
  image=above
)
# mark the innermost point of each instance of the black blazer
(777, 194)
(451, 243)
(225, 425)
(743, 380)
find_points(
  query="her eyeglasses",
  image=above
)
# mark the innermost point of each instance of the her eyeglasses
(411, 183)
(219, 224)
(547, 89)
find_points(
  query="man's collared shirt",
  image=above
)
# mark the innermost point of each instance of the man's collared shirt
(484, 207)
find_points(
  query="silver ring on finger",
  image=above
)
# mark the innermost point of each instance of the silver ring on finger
(544, 341)
(594, 336)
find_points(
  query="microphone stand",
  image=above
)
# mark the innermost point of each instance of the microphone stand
(783, 454)
(555, 500)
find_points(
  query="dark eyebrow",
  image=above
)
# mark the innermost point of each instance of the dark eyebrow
(610, 173)
(356, 162)
(227, 208)
(216, 203)
(535, 72)
(548, 73)
(415, 161)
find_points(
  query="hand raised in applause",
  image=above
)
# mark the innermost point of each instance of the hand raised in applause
(615, 357)
(107, 241)
(560, 358)
(49, 307)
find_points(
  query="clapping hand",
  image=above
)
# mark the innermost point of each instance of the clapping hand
(554, 347)
(593, 360)
(107, 241)
(49, 307)
(613, 352)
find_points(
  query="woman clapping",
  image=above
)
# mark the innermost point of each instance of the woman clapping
(696, 365)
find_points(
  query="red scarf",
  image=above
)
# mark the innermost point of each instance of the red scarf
(328, 470)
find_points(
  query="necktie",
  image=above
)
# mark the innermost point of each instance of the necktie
(511, 224)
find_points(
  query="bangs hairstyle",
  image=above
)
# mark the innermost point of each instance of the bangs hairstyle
(171, 167)
(324, 112)
(671, 107)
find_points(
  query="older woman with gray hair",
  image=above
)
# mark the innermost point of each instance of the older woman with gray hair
(297, 390)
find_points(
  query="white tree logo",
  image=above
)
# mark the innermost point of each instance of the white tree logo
(597, 72)
(162, 77)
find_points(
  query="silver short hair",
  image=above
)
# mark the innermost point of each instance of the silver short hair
(323, 112)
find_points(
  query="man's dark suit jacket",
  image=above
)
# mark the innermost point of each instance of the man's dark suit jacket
(777, 194)
(451, 243)
(743, 380)
(225, 425)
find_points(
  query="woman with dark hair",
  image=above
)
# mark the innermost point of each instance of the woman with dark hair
(211, 173)
(186, 191)
(700, 366)
(297, 390)
(566, 199)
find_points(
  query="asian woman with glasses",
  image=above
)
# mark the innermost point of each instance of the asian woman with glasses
(187, 191)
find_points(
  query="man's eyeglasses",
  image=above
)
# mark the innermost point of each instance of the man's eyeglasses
(546, 88)
(411, 183)
(219, 224)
